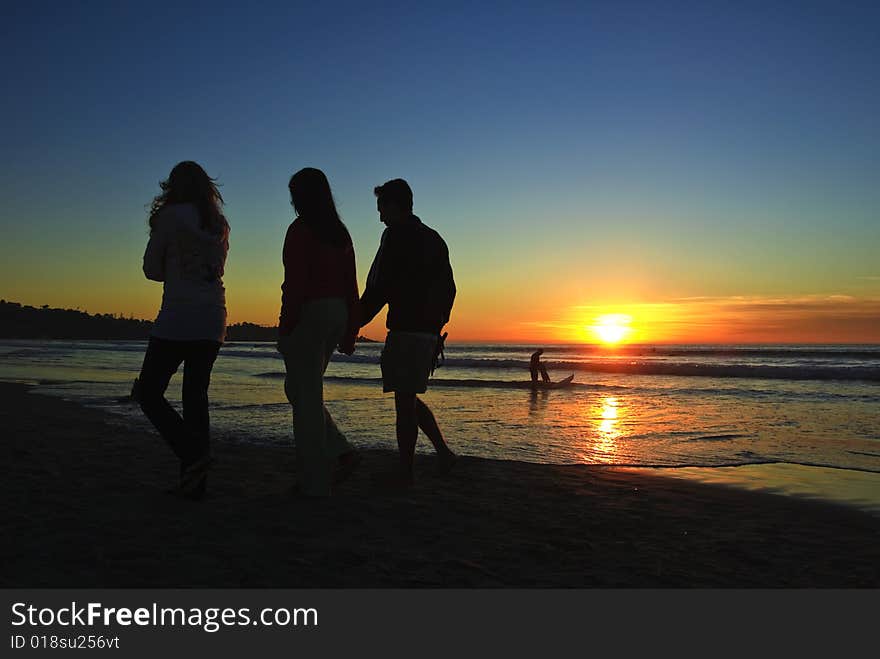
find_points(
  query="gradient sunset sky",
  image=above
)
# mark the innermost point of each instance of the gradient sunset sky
(709, 170)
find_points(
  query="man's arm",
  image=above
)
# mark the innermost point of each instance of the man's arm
(377, 291)
(449, 290)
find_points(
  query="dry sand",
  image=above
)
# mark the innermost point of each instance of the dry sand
(83, 506)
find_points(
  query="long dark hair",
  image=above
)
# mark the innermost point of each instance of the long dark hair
(189, 183)
(313, 202)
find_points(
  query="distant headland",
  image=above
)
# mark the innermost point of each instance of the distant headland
(18, 321)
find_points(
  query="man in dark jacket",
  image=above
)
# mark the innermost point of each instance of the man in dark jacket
(412, 275)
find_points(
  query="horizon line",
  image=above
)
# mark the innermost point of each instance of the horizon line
(523, 343)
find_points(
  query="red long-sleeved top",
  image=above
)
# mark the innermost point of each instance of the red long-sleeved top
(313, 270)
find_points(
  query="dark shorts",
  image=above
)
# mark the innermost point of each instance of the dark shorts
(407, 360)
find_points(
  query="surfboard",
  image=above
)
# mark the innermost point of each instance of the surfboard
(564, 382)
(556, 385)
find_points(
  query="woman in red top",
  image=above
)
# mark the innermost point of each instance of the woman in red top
(318, 315)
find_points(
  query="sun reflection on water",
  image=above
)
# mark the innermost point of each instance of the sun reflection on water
(606, 414)
(609, 418)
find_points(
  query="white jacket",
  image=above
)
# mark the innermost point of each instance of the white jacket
(190, 261)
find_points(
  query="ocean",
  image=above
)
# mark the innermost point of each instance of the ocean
(800, 420)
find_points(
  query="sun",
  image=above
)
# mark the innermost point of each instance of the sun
(612, 328)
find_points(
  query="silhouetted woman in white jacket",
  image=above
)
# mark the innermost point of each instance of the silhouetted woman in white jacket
(189, 239)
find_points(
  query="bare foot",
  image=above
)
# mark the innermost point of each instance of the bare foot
(445, 462)
(193, 477)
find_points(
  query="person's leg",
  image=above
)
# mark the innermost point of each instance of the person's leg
(303, 360)
(407, 432)
(428, 423)
(534, 373)
(337, 443)
(197, 365)
(161, 361)
(344, 457)
(337, 446)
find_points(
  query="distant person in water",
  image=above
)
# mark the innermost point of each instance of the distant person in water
(536, 365)
(318, 316)
(189, 240)
(411, 273)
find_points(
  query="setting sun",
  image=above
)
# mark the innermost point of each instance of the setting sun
(612, 328)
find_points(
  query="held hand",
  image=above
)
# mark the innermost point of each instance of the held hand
(346, 345)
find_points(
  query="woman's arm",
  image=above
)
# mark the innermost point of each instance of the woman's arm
(346, 345)
(293, 290)
(154, 256)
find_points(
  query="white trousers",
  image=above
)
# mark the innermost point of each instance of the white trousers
(307, 351)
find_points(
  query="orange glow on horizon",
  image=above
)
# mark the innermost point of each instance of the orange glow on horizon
(805, 319)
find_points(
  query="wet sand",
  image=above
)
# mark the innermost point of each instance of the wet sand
(84, 506)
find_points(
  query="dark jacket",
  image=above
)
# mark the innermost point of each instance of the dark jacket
(411, 273)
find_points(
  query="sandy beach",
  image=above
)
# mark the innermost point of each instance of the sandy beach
(84, 506)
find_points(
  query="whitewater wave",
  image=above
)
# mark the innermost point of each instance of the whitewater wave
(751, 393)
(790, 352)
(449, 382)
(820, 371)
(822, 363)
(685, 369)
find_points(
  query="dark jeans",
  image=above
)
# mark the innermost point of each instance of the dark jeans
(188, 436)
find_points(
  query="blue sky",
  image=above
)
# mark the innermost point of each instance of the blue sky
(613, 152)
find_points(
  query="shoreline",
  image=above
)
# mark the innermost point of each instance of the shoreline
(852, 487)
(84, 507)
